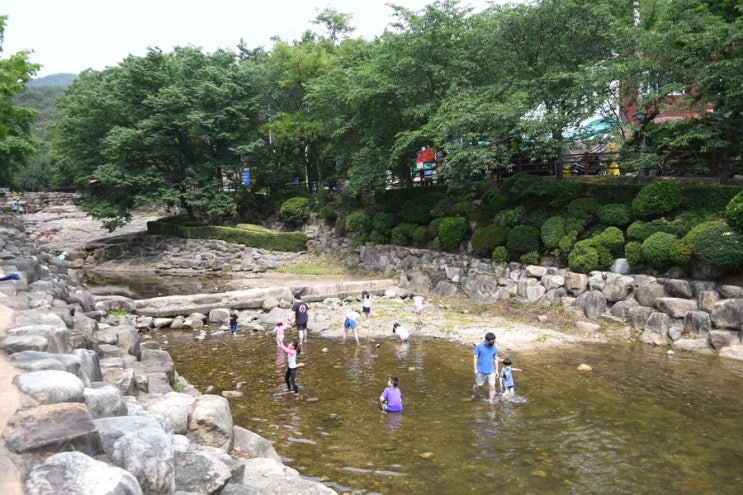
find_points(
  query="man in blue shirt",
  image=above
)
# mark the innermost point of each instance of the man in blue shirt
(485, 362)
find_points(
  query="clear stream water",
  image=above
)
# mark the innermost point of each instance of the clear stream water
(642, 422)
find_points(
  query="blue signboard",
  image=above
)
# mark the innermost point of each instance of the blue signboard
(246, 178)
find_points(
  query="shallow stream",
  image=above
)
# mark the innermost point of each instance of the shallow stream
(641, 422)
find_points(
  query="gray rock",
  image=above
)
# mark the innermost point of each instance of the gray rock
(115, 427)
(36, 361)
(732, 352)
(696, 345)
(727, 313)
(718, 339)
(617, 287)
(51, 428)
(211, 423)
(149, 456)
(20, 343)
(159, 362)
(656, 329)
(269, 477)
(90, 365)
(675, 307)
(105, 401)
(646, 295)
(698, 323)
(595, 304)
(728, 291)
(196, 472)
(253, 445)
(707, 299)
(74, 473)
(56, 336)
(679, 288)
(175, 407)
(51, 386)
(621, 266)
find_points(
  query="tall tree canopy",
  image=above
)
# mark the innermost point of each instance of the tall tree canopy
(159, 129)
(16, 143)
(483, 88)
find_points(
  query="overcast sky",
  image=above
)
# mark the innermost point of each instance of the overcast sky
(74, 35)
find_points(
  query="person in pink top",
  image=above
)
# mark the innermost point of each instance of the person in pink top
(291, 369)
(278, 332)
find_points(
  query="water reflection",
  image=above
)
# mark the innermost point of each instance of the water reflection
(641, 422)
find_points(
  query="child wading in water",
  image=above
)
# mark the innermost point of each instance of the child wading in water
(391, 398)
(291, 370)
(233, 321)
(506, 377)
(278, 332)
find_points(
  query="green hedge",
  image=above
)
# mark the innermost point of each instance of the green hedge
(720, 246)
(657, 199)
(247, 235)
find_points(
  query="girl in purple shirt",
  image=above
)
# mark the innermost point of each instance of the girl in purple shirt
(391, 398)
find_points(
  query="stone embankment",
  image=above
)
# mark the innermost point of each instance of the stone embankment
(698, 315)
(101, 411)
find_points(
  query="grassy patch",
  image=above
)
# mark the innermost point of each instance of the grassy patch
(315, 265)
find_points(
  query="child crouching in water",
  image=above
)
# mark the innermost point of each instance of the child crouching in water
(391, 398)
(291, 369)
(506, 377)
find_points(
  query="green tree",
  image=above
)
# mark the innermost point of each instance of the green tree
(160, 129)
(16, 142)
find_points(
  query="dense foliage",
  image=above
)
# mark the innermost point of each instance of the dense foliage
(16, 143)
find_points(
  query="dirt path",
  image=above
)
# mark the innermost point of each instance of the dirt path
(10, 398)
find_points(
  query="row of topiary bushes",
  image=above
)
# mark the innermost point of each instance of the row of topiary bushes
(581, 225)
(247, 235)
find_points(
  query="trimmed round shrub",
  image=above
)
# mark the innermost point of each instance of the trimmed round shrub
(433, 228)
(656, 249)
(633, 253)
(657, 199)
(501, 254)
(583, 258)
(522, 239)
(415, 211)
(576, 224)
(485, 239)
(378, 237)
(295, 210)
(358, 221)
(452, 232)
(530, 258)
(682, 249)
(402, 235)
(384, 222)
(734, 212)
(419, 236)
(583, 208)
(328, 213)
(567, 242)
(363, 238)
(640, 230)
(612, 239)
(511, 217)
(614, 214)
(720, 246)
(553, 229)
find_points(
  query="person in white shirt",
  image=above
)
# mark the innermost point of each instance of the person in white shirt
(401, 332)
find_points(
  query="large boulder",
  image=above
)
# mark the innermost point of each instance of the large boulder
(656, 329)
(51, 386)
(197, 472)
(148, 455)
(105, 401)
(175, 407)
(74, 473)
(252, 445)
(728, 313)
(211, 423)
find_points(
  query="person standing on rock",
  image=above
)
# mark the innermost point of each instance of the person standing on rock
(418, 302)
(486, 365)
(301, 317)
(366, 304)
